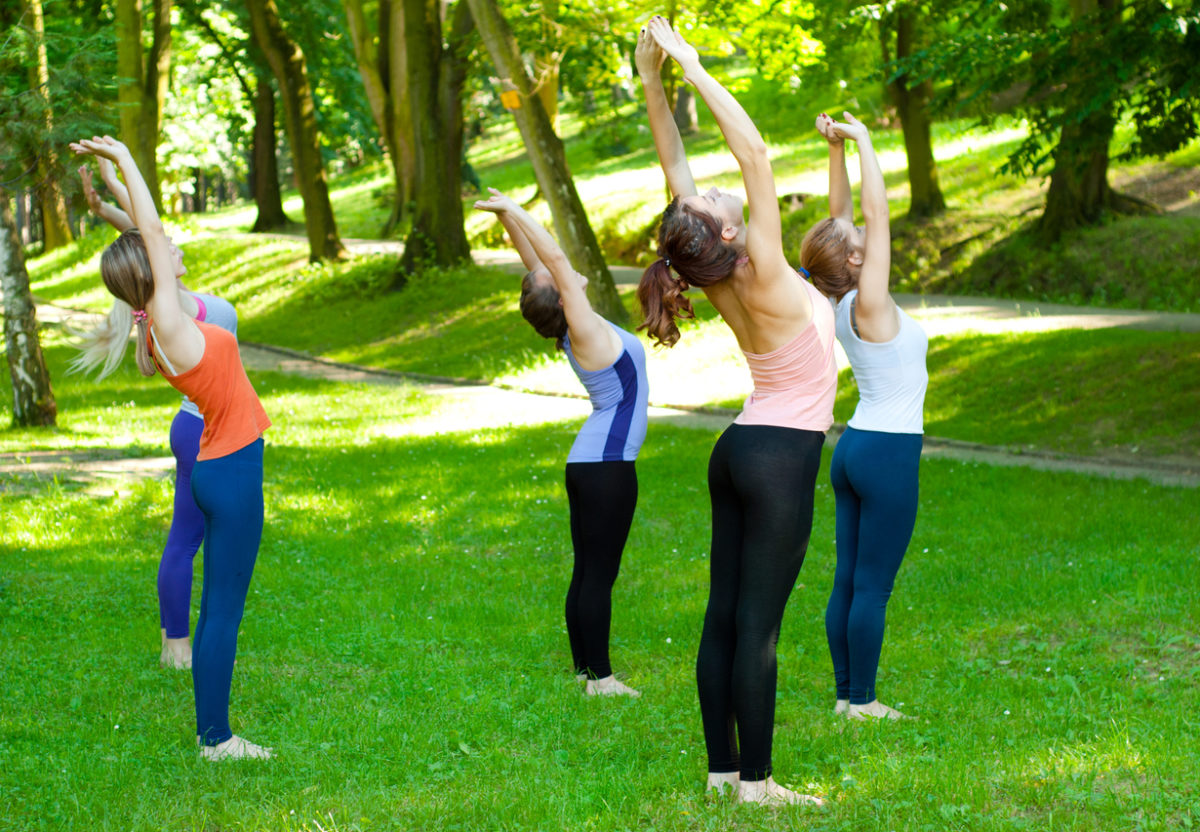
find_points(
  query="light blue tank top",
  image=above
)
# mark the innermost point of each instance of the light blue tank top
(619, 394)
(218, 312)
(891, 376)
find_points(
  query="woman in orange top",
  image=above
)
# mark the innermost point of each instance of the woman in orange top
(202, 362)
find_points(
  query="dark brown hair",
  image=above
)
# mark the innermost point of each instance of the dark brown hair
(824, 254)
(540, 306)
(690, 242)
(125, 268)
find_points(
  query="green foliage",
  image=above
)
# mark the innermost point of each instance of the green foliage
(82, 60)
(1129, 59)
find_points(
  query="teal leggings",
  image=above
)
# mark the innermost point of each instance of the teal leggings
(874, 477)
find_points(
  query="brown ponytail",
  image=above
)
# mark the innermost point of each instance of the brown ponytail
(540, 306)
(824, 254)
(690, 242)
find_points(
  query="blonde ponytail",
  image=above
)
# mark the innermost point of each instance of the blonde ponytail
(104, 346)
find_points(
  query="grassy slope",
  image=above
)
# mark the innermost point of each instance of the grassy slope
(403, 649)
(1073, 391)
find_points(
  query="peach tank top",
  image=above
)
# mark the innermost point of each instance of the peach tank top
(795, 385)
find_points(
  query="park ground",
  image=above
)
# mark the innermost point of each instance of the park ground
(403, 648)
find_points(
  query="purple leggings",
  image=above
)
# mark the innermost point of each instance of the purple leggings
(187, 530)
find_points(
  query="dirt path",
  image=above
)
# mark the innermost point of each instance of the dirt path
(470, 405)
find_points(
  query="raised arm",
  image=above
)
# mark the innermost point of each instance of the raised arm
(592, 339)
(112, 215)
(115, 186)
(875, 309)
(521, 243)
(764, 233)
(841, 203)
(175, 331)
(649, 57)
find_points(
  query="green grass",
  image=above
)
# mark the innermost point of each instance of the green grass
(403, 648)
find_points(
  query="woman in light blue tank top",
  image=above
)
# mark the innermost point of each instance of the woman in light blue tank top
(601, 477)
(105, 346)
(875, 464)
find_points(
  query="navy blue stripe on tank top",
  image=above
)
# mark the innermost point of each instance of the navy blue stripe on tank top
(618, 433)
(619, 394)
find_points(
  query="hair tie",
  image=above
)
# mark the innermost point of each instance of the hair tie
(140, 316)
(667, 260)
(804, 272)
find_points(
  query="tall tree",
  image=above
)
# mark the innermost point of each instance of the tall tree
(286, 60)
(1079, 190)
(549, 160)
(436, 72)
(264, 166)
(380, 52)
(142, 83)
(33, 400)
(899, 36)
(55, 230)
(1075, 69)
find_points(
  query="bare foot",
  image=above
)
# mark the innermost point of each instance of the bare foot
(234, 748)
(609, 686)
(841, 707)
(722, 782)
(176, 653)
(769, 793)
(873, 710)
(581, 677)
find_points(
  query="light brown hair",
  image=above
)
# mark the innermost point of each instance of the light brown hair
(824, 255)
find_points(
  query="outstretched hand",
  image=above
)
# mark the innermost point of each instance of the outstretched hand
(671, 42)
(851, 128)
(648, 56)
(89, 191)
(825, 128)
(105, 147)
(497, 203)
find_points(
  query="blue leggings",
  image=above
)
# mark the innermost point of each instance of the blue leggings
(229, 492)
(187, 530)
(875, 482)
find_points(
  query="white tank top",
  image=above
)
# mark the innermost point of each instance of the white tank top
(891, 376)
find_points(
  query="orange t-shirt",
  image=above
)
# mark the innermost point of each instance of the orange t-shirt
(233, 415)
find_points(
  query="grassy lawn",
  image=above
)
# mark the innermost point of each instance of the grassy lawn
(404, 650)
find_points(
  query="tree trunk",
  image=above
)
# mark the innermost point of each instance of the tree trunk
(384, 70)
(56, 228)
(912, 105)
(142, 84)
(1079, 193)
(33, 400)
(436, 76)
(549, 161)
(264, 172)
(287, 63)
(686, 118)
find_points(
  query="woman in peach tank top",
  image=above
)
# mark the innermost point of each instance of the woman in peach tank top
(201, 361)
(763, 469)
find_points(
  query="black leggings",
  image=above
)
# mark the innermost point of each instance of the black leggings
(602, 496)
(761, 479)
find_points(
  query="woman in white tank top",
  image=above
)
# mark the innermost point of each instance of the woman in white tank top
(875, 464)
